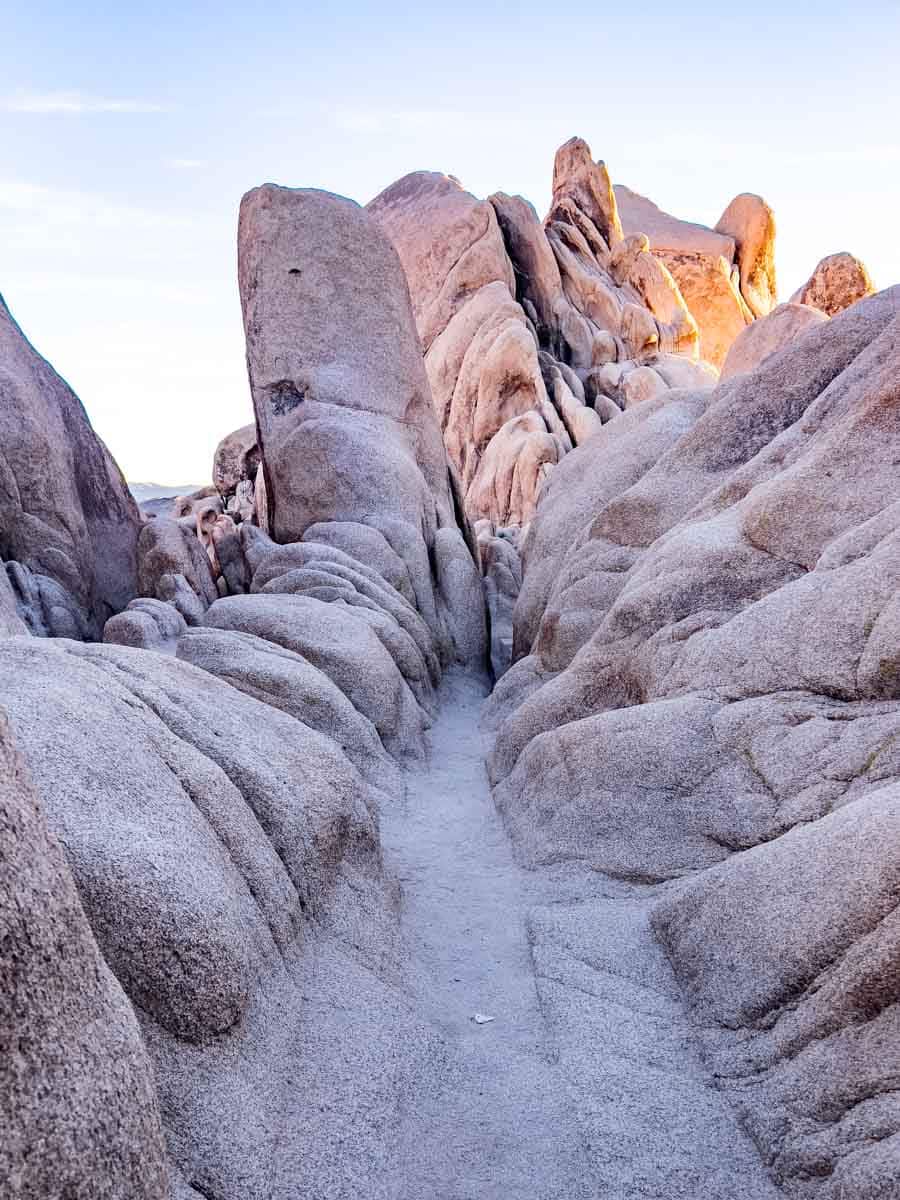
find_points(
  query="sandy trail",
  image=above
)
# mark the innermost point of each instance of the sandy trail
(586, 1082)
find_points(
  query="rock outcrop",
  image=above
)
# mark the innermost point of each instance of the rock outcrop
(215, 840)
(750, 222)
(356, 410)
(708, 691)
(837, 282)
(236, 458)
(764, 337)
(68, 524)
(531, 333)
(77, 1095)
(263, 936)
(235, 467)
(726, 275)
(225, 759)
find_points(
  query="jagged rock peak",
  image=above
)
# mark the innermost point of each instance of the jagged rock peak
(577, 178)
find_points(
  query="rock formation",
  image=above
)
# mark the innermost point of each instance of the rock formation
(707, 657)
(77, 1096)
(755, 343)
(264, 935)
(751, 223)
(68, 524)
(355, 411)
(531, 333)
(235, 466)
(236, 458)
(837, 282)
(726, 275)
(226, 757)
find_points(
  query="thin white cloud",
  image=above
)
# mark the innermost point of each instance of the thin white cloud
(48, 209)
(73, 104)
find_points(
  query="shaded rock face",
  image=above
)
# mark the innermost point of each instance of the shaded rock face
(501, 568)
(236, 458)
(837, 282)
(235, 468)
(706, 697)
(215, 840)
(532, 332)
(68, 524)
(77, 1095)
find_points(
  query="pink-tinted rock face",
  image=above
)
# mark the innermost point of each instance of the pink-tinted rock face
(837, 282)
(480, 354)
(580, 182)
(443, 271)
(67, 520)
(514, 316)
(726, 275)
(750, 222)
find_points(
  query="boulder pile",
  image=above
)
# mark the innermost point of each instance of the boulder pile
(538, 334)
(534, 335)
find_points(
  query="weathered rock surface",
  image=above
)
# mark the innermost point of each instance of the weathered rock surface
(726, 275)
(291, 243)
(515, 317)
(149, 623)
(837, 282)
(217, 788)
(708, 690)
(687, 984)
(11, 623)
(764, 337)
(214, 839)
(343, 646)
(236, 459)
(787, 954)
(356, 410)
(169, 550)
(66, 514)
(77, 1095)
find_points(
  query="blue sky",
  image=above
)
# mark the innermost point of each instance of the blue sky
(127, 138)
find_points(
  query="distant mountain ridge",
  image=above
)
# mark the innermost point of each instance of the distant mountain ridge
(153, 491)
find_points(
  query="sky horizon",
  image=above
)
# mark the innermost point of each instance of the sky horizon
(128, 140)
